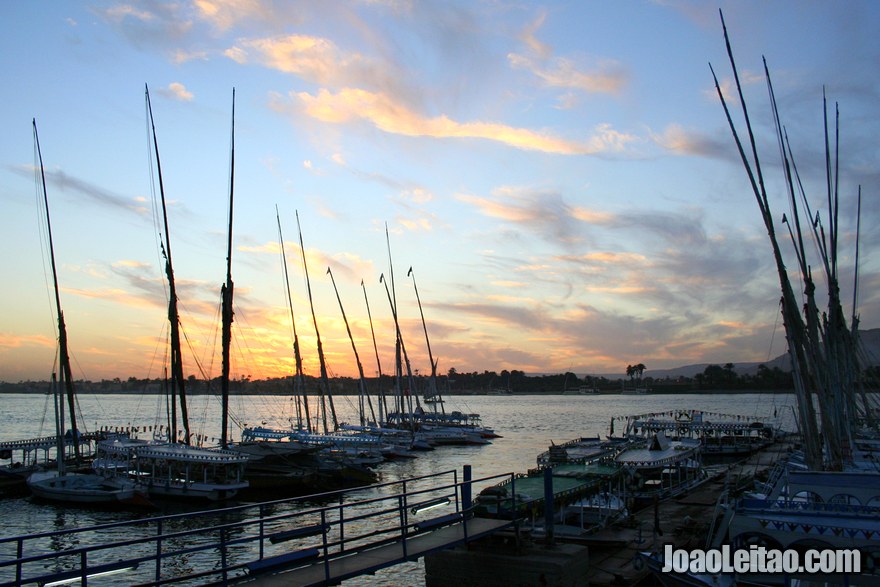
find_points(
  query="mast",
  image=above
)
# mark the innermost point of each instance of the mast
(325, 380)
(823, 349)
(363, 389)
(434, 392)
(177, 381)
(383, 406)
(226, 296)
(401, 352)
(66, 375)
(299, 387)
(58, 403)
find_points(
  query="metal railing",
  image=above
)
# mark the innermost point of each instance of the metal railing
(223, 545)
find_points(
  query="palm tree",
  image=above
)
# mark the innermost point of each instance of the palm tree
(639, 369)
(730, 374)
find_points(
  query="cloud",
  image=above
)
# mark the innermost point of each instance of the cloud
(320, 61)
(542, 212)
(529, 38)
(224, 14)
(683, 142)
(64, 182)
(312, 58)
(348, 265)
(176, 91)
(607, 75)
(153, 24)
(181, 56)
(14, 341)
(607, 78)
(351, 105)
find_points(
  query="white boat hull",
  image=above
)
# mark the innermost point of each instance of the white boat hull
(79, 488)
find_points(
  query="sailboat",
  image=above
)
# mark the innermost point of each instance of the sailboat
(833, 494)
(827, 495)
(60, 485)
(168, 467)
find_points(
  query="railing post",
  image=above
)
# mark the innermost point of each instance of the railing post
(404, 520)
(326, 549)
(466, 496)
(159, 551)
(512, 498)
(341, 525)
(20, 554)
(83, 569)
(262, 530)
(548, 505)
(466, 501)
(223, 555)
(457, 489)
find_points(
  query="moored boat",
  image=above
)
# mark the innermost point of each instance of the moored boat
(173, 471)
(661, 468)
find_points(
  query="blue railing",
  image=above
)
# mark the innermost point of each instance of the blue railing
(220, 546)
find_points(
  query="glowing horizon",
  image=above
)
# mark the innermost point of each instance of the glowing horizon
(560, 178)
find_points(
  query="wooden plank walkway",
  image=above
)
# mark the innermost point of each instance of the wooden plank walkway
(372, 560)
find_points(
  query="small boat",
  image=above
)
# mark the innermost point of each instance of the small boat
(661, 468)
(598, 510)
(174, 471)
(86, 489)
(526, 493)
(33, 455)
(722, 436)
(578, 450)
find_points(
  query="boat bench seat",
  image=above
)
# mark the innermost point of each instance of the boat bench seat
(439, 522)
(273, 563)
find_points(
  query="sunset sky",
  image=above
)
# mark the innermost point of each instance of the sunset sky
(560, 177)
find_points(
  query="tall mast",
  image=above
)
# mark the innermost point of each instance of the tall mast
(299, 394)
(357, 358)
(177, 381)
(401, 347)
(382, 405)
(325, 380)
(427, 341)
(64, 355)
(402, 357)
(226, 296)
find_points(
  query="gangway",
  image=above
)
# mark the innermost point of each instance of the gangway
(313, 540)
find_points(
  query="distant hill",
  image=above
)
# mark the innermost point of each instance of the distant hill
(870, 343)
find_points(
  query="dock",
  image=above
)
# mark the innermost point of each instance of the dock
(684, 522)
(606, 558)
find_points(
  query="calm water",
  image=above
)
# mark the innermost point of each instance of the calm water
(528, 424)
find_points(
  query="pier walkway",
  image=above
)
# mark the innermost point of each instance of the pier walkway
(315, 540)
(331, 571)
(684, 522)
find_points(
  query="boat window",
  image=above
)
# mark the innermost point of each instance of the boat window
(845, 499)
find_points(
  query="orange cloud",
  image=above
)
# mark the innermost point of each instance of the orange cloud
(351, 104)
(313, 58)
(14, 341)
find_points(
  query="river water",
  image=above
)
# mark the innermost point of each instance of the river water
(528, 425)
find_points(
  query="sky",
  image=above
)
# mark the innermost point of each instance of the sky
(559, 176)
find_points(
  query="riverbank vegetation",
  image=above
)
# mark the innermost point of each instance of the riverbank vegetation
(714, 378)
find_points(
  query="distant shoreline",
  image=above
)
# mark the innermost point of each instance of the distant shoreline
(460, 393)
